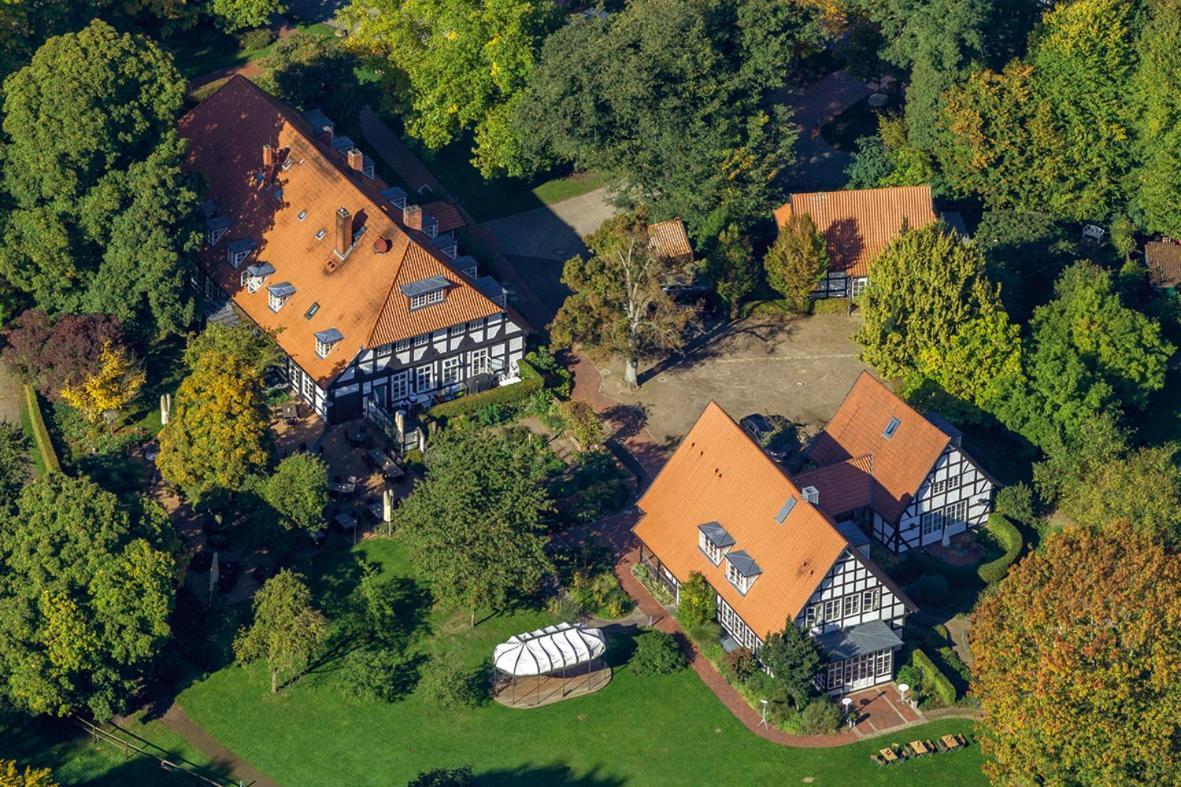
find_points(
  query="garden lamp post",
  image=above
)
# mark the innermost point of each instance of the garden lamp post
(763, 720)
(847, 704)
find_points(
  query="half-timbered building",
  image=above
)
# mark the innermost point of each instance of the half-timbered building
(903, 478)
(722, 508)
(366, 293)
(858, 225)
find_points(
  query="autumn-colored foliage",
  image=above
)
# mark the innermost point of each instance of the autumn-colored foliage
(109, 388)
(1077, 658)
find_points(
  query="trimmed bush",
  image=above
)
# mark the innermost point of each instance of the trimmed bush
(1016, 503)
(929, 589)
(935, 683)
(830, 306)
(505, 395)
(742, 664)
(1009, 537)
(820, 716)
(253, 40)
(657, 653)
(40, 433)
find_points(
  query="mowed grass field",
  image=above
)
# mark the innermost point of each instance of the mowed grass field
(638, 730)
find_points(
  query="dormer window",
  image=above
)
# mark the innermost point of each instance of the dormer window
(714, 541)
(288, 163)
(741, 571)
(891, 428)
(256, 275)
(238, 251)
(326, 340)
(426, 292)
(277, 295)
(320, 233)
(215, 229)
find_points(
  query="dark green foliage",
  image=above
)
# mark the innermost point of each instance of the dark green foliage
(315, 71)
(503, 396)
(15, 467)
(86, 592)
(733, 268)
(1009, 537)
(256, 39)
(793, 657)
(287, 631)
(819, 717)
(48, 453)
(1157, 179)
(444, 777)
(1025, 254)
(555, 374)
(697, 605)
(937, 689)
(929, 589)
(104, 218)
(298, 490)
(742, 664)
(598, 485)
(657, 653)
(871, 166)
(1016, 502)
(666, 97)
(242, 342)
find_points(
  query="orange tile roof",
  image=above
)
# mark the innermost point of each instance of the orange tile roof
(843, 487)
(669, 239)
(718, 474)
(859, 224)
(446, 214)
(359, 296)
(1164, 262)
(900, 463)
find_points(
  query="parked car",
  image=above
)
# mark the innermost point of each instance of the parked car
(762, 430)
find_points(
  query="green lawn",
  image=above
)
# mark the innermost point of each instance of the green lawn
(655, 730)
(204, 49)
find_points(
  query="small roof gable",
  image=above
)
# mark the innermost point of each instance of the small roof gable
(670, 240)
(719, 475)
(717, 534)
(446, 214)
(900, 458)
(858, 224)
(423, 286)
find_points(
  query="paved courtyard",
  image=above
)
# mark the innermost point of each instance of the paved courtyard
(799, 369)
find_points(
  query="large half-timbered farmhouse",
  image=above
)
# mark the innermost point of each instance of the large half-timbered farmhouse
(902, 477)
(722, 508)
(366, 293)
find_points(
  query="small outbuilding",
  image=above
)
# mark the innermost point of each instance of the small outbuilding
(549, 665)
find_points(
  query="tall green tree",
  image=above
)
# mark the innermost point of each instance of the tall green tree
(104, 218)
(287, 630)
(1157, 179)
(298, 490)
(667, 97)
(793, 657)
(797, 261)
(86, 592)
(16, 467)
(923, 287)
(460, 66)
(474, 524)
(219, 432)
(237, 15)
(732, 266)
(1076, 657)
(618, 306)
(243, 343)
(1142, 488)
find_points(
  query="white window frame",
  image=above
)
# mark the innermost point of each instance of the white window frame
(321, 233)
(857, 286)
(400, 386)
(402, 345)
(711, 550)
(836, 674)
(452, 370)
(953, 482)
(955, 513)
(850, 605)
(871, 600)
(323, 347)
(275, 302)
(737, 580)
(482, 363)
(932, 522)
(308, 388)
(427, 298)
(938, 487)
(832, 609)
(421, 374)
(885, 662)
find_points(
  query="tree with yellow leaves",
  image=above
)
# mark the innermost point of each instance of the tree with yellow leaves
(11, 775)
(111, 387)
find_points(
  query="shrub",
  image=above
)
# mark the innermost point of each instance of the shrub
(935, 684)
(40, 433)
(742, 664)
(1016, 502)
(657, 653)
(493, 413)
(830, 306)
(256, 39)
(698, 602)
(444, 777)
(819, 716)
(1009, 537)
(582, 422)
(556, 376)
(446, 683)
(600, 593)
(654, 586)
(375, 675)
(910, 675)
(952, 660)
(565, 607)
(505, 395)
(704, 634)
(931, 588)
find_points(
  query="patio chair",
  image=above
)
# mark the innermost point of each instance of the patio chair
(878, 760)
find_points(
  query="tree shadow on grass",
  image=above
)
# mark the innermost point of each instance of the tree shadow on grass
(549, 775)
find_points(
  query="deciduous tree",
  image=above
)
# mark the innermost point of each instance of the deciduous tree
(1142, 488)
(240, 342)
(11, 775)
(240, 14)
(15, 466)
(86, 592)
(287, 631)
(474, 524)
(1157, 179)
(733, 268)
(219, 432)
(618, 305)
(797, 261)
(111, 387)
(794, 659)
(1076, 658)
(298, 490)
(53, 355)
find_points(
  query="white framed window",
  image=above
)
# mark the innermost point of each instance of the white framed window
(400, 386)
(813, 614)
(455, 330)
(871, 600)
(836, 673)
(320, 233)
(832, 609)
(303, 214)
(452, 370)
(885, 661)
(423, 379)
(275, 302)
(937, 487)
(481, 364)
(323, 347)
(953, 482)
(891, 428)
(932, 522)
(308, 387)
(736, 579)
(422, 340)
(427, 298)
(236, 258)
(956, 513)
(711, 550)
(402, 345)
(852, 605)
(857, 286)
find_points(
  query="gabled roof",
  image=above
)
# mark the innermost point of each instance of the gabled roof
(718, 474)
(900, 463)
(858, 224)
(1163, 259)
(670, 240)
(843, 486)
(359, 296)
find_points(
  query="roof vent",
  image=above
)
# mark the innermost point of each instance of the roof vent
(382, 245)
(811, 494)
(783, 512)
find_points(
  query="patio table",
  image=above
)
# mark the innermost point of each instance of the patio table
(888, 755)
(950, 742)
(919, 748)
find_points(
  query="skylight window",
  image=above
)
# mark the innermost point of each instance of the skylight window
(320, 233)
(891, 428)
(303, 214)
(783, 512)
(311, 312)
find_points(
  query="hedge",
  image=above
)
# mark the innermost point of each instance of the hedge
(1010, 537)
(40, 433)
(830, 306)
(934, 680)
(531, 381)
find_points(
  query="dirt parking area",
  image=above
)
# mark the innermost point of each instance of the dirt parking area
(800, 369)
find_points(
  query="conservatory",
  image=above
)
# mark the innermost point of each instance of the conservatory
(549, 665)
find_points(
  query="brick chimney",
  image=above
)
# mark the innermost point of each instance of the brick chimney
(412, 216)
(356, 160)
(268, 156)
(344, 232)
